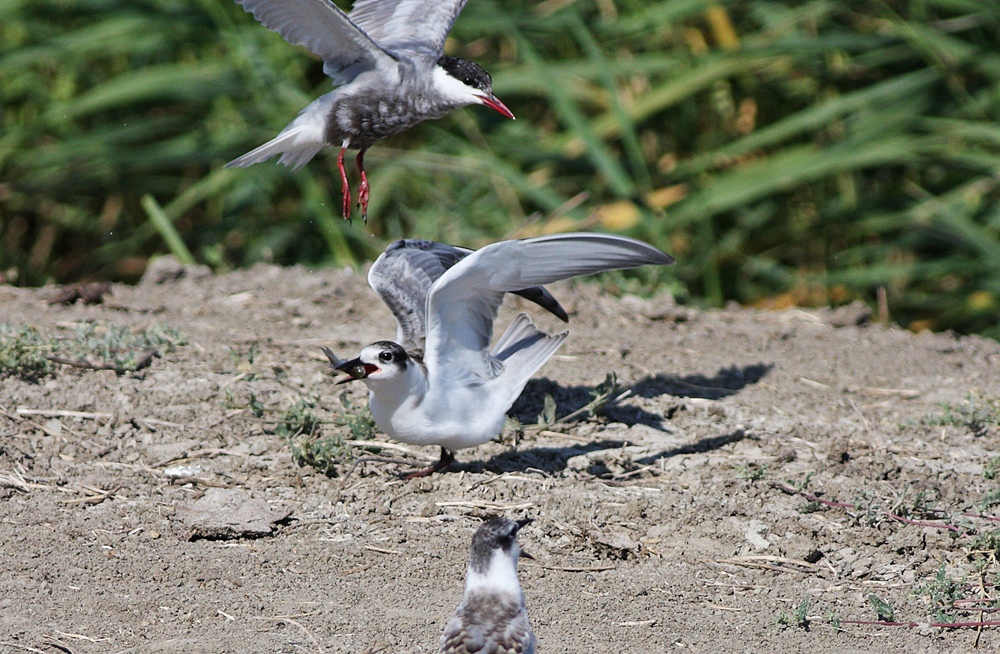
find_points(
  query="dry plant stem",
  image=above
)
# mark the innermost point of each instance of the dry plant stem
(785, 488)
(24, 647)
(143, 362)
(376, 459)
(936, 625)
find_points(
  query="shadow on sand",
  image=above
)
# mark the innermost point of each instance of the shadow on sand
(725, 382)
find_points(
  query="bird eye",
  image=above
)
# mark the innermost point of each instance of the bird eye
(385, 356)
(468, 80)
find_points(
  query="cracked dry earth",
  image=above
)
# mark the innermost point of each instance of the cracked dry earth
(683, 518)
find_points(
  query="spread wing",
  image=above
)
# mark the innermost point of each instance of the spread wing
(408, 26)
(403, 275)
(322, 27)
(463, 303)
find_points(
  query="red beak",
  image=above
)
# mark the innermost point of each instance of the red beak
(494, 103)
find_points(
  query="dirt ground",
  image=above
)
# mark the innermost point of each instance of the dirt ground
(669, 522)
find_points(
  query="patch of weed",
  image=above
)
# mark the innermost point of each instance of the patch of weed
(801, 615)
(941, 593)
(603, 394)
(992, 468)
(752, 472)
(978, 413)
(357, 418)
(882, 608)
(987, 544)
(325, 452)
(990, 499)
(22, 353)
(29, 353)
(298, 420)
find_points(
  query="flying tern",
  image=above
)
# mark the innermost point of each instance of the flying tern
(441, 383)
(492, 617)
(387, 58)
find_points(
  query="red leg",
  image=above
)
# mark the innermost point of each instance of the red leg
(447, 458)
(363, 188)
(345, 187)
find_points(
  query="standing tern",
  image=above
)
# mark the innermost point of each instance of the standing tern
(387, 56)
(450, 388)
(491, 618)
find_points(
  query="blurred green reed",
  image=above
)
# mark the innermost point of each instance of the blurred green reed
(788, 153)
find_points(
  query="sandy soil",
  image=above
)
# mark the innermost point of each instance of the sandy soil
(661, 525)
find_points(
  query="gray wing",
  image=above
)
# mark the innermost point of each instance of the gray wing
(404, 273)
(465, 636)
(322, 27)
(463, 303)
(408, 26)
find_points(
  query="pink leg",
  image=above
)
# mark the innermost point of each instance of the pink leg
(447, 458)
(345, 187)
(363, 188)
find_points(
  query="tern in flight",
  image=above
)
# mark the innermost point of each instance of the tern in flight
(387, 58)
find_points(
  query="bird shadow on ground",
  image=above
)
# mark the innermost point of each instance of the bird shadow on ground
(727, 381)
(698, 447)
(547, 459)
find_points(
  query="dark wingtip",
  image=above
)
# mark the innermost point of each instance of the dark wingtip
(541, 296)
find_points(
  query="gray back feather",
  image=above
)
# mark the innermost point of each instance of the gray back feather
(404, 273)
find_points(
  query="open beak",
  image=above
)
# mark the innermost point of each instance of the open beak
(493, 102)
(355, 369)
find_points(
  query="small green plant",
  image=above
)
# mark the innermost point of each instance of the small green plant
(941, 593)
(992, 468)
(986, 544)
(548, 415)
(868, 509)
(752, 472)
(799, 618)
(978, 413)
(243, 362)
(326, 452)
(22, 353)
(357, 418)
(882, 608)
(990, 499)
(29, 353)
(802, 613)
(834, 619)
(605, 393)
(298, 420)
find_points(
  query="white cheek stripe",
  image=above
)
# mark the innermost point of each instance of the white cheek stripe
(453, 89)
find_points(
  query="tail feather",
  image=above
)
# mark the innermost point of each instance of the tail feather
(523, 349)
(295, 151)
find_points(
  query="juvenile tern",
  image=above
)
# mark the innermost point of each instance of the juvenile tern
(447, 386)
(491, 618)
(387, 56)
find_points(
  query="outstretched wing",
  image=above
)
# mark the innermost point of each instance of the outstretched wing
(463, 303)
(322, 27)
(408, 26)
(403, 274)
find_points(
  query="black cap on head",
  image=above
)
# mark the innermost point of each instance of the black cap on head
(392, 353)
(467, 72)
